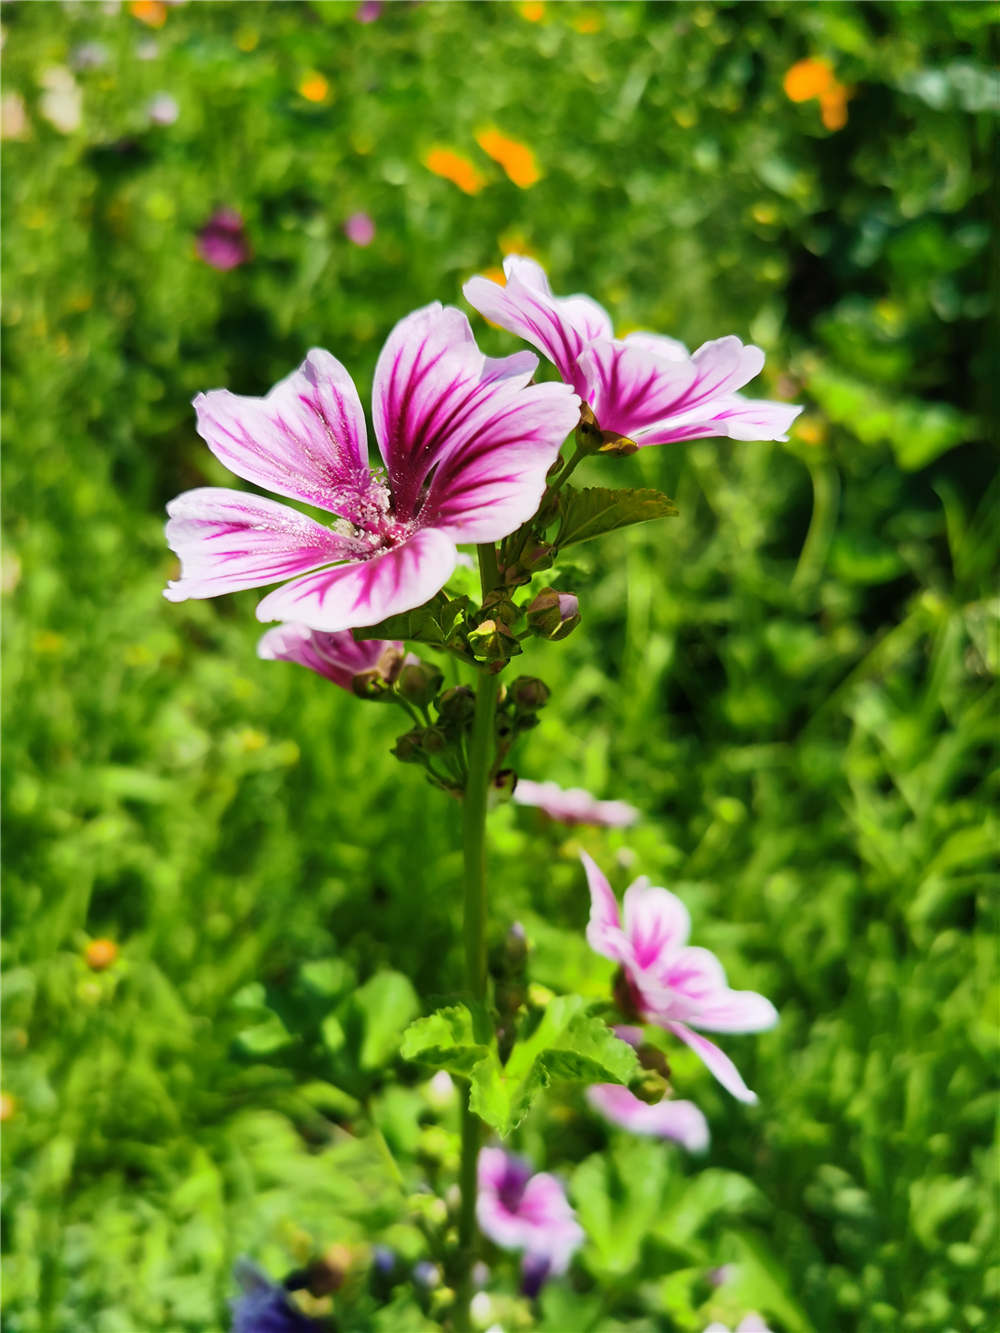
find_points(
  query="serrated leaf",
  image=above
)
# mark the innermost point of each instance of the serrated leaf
(432, 623)
(445, 1040)
(594, 510)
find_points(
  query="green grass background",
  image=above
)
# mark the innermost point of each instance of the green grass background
(795, 680)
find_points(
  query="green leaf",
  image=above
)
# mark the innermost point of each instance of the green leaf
(385, 1004)
(445, 1040)
(595, 510)
(434, 622)
(567, 1046)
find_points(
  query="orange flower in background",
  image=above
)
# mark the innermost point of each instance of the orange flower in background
(517, 160)
(314, 87)
(100, 954)
(453, 167)
(833, 107)
(587, 23)
(532, 10)
(151, 12)
(808, 78)
(496, 275)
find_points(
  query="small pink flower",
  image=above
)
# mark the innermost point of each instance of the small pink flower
(751, 1324)
(163, 109)
(359, 229)
(573, 805)
(466, 441)
(644, 387)
(668, 1119)
(368, 11)
(521, 1211)
(222, 241)
(339, 657)
(671, 984)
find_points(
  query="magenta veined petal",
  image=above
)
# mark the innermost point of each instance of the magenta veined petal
(736, 1011)
(559, 326)
(657, 924)
(680, 1121)
(355, 595)
(339, 657)
(306, 439)
(227, 540)
(604, 932)
(716, 1061)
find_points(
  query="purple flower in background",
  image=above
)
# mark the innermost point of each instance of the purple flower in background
(264, 1307)
(521, 1211)
(359, 229)
(164, 110)
(368, 11)
(466, 441)
(573, 805)
(645, 388)
(669, 983)
(677, 1120)
(222, 240)
(339, 657)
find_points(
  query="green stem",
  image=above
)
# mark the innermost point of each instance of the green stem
(563, 476)
(481, 755)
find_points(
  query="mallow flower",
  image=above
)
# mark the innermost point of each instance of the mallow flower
(466, 442)
(574, 805)
(522, 1211)
(680, 1121)
(644, 388)
(667, 982)
(339, 657)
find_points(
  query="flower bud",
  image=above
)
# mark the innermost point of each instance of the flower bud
(456, 706)
(409, 747)
(649, 1087)
(653, 1059)
(515, 946)
(529, 694)
(419, 682)
(500, 607)
(588, 432)
(553, 614)
(492, 641)
(434, 740)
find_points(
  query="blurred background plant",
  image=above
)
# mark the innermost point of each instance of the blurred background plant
(213, 901)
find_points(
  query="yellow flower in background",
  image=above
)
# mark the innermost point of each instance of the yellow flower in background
(151, 12)
(496, 275)
(453, 167)
(517, 159)
(100, 954)
(806, 79)
(514, 242)
(314, 88)
(532, 10)
(8, 1106)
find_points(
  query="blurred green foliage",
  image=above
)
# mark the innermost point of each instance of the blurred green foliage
(795, 679)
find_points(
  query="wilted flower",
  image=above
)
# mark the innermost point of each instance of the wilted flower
(643, 388)
(573, 805)
(669, 983)
(521, 1211)
(163, 109)
(264, 1307)
(222, 240)
(751, 1324)
(360, 229)
(339, 657)
(453, 167)
(678, 1120)
(466, 440)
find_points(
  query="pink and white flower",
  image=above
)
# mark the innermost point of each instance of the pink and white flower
(680, 1121)
(669, 983)
(522, 1211)
(339, 657)
(644, 387)
(573, 805)
(752, 1323)
(466, 442)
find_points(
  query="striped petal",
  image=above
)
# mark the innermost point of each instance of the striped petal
(306, 439)
(229, 540)
(716, 1061)
(339, 657)
(680, 1121)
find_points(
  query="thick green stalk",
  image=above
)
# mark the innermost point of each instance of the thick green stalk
(481, 755)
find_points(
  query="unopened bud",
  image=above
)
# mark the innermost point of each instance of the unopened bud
(409, 747)
(553, 614)
(515, 945)
(419, 682)
(456, 706)
(649, 1087)
(528, 694)
(653, 1059)
(434, 740)
(500, 607)
(492, 641)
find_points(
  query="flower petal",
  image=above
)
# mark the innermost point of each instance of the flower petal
(670, 348)
(573, 805)
(604, 932)
(629, 386)
(733, 417)
(559, 326)
(657, 925)
(228, 540)
(367, 591)
(715, 1061)
(678, 1120)
(305, 439)
(467, 442)
(735, 1011)
(339, 657)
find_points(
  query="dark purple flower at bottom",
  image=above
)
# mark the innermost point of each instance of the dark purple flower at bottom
(222, 241)
(264, 1307)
